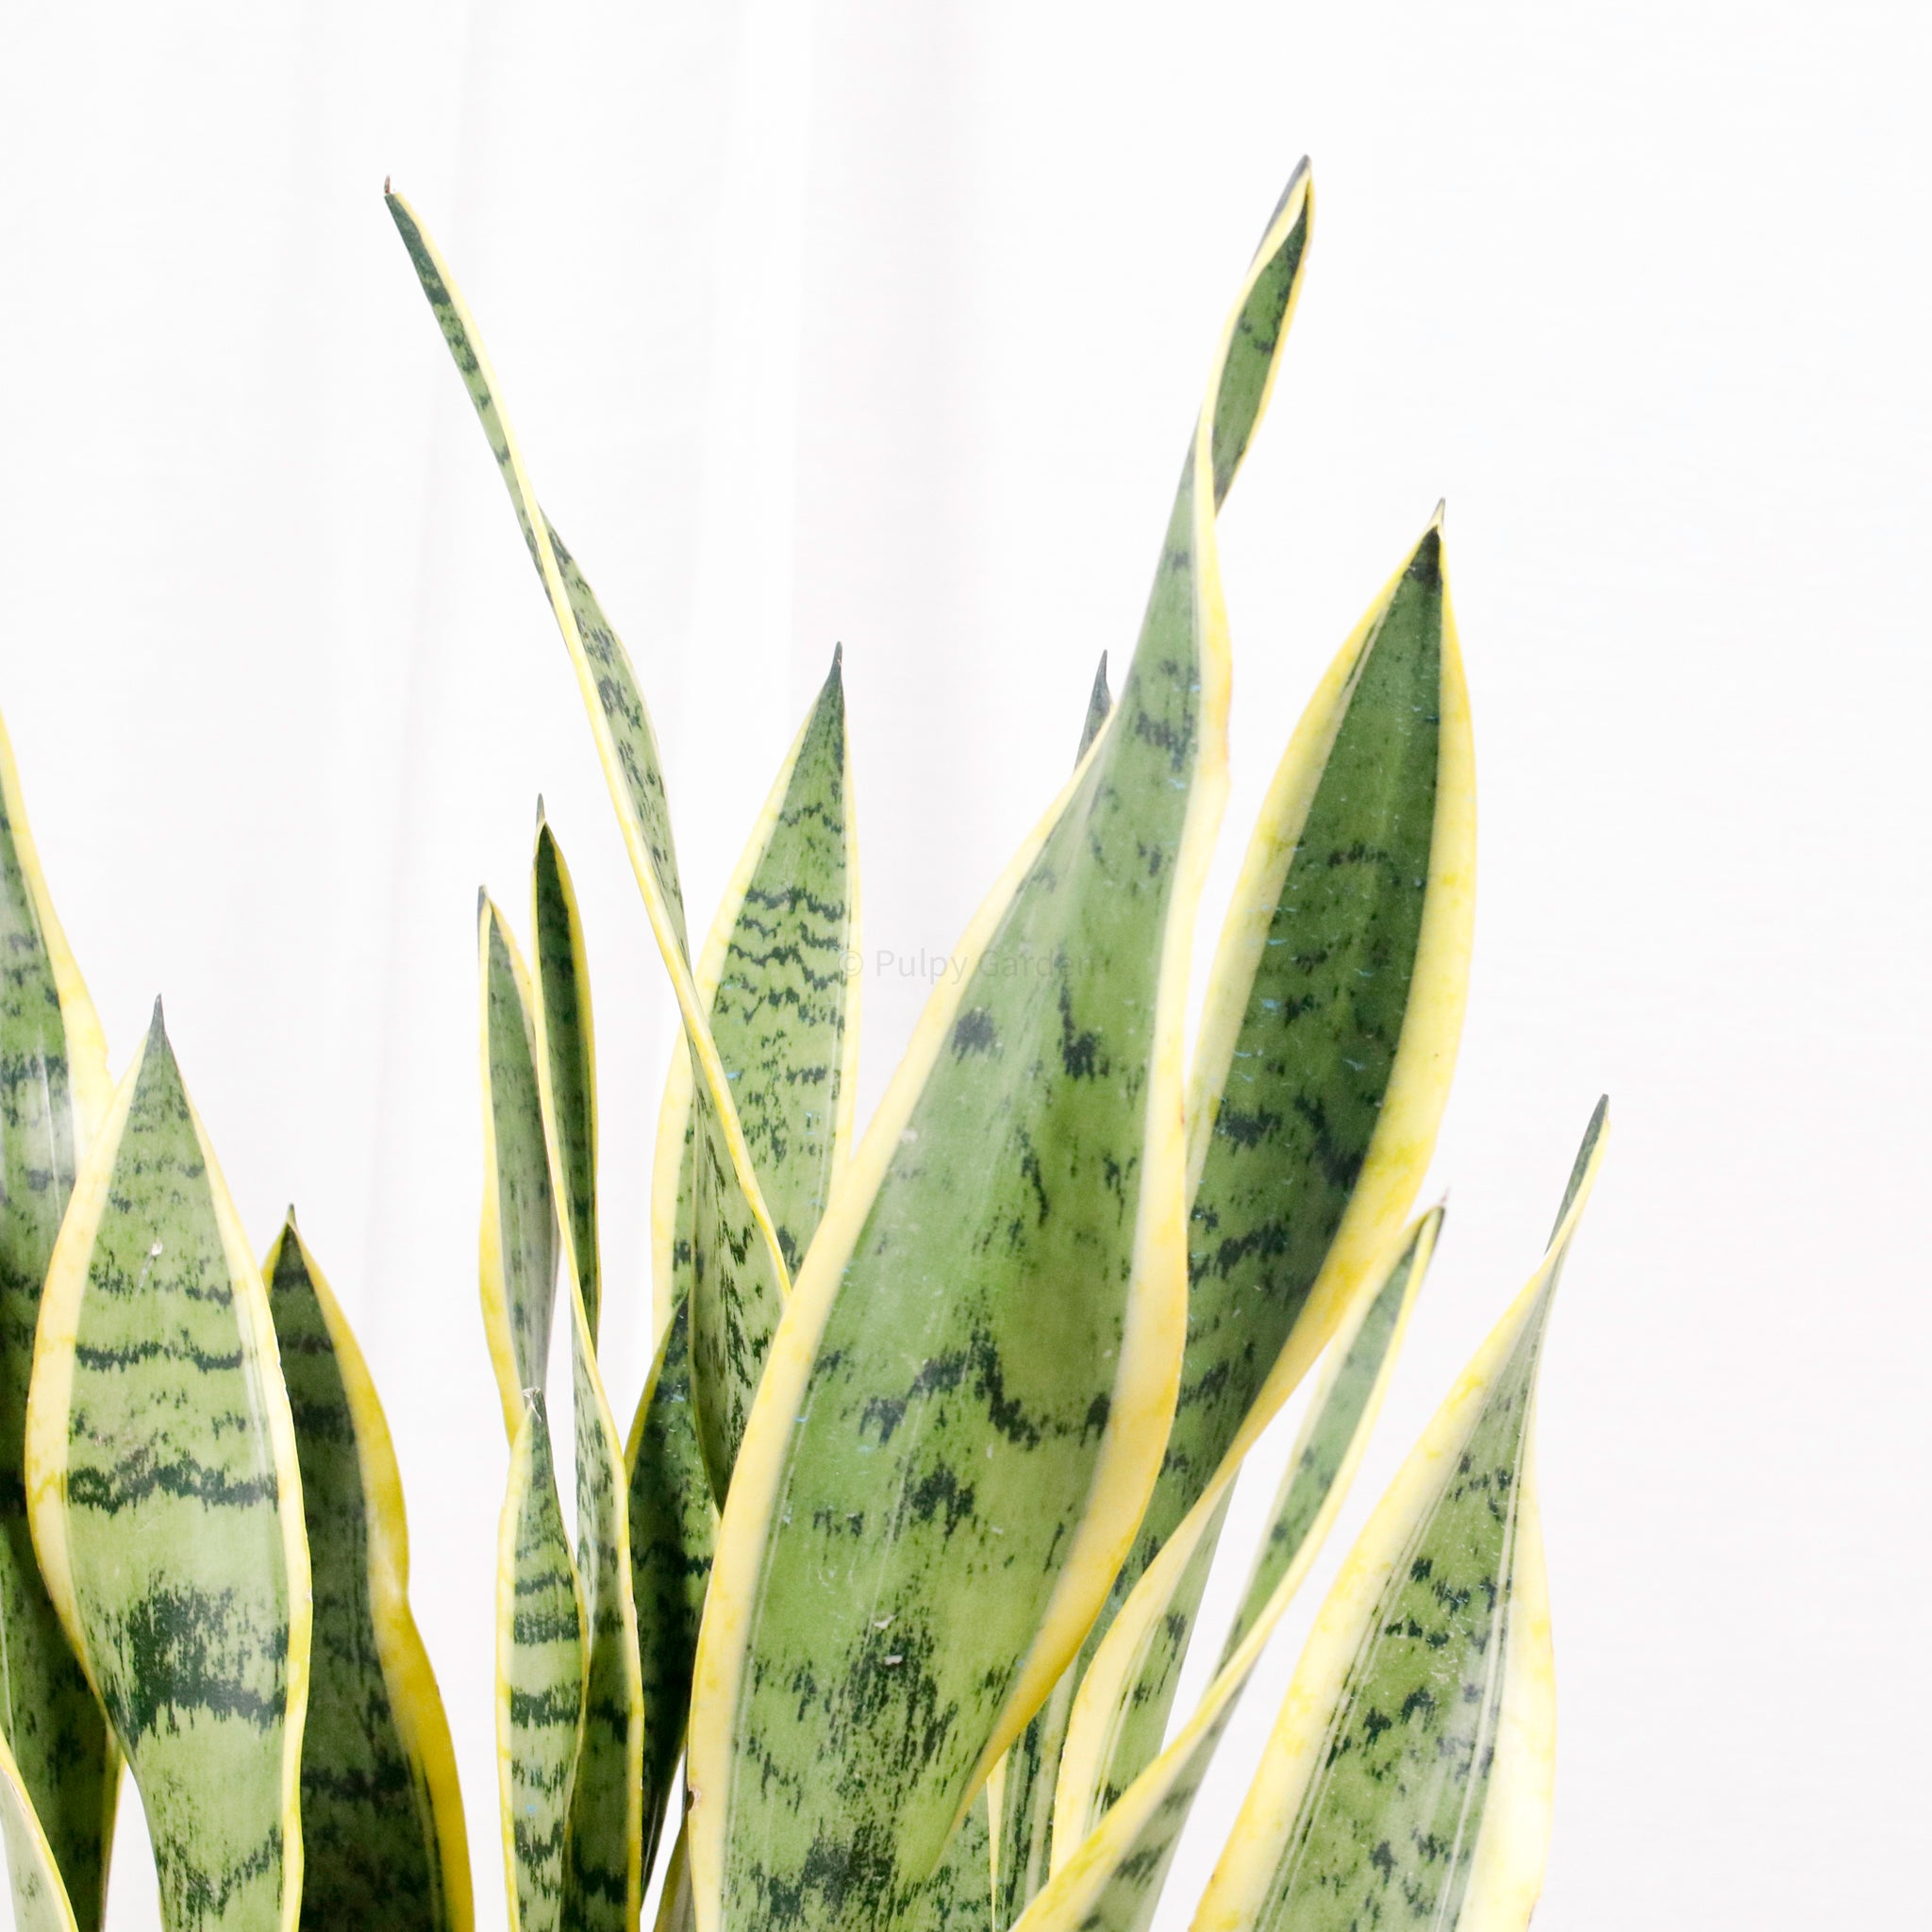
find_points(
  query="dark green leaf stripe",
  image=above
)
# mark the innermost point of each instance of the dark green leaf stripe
(620, 723)
(520, 1237)
(1099, 702)
(54, 1090)
(779, 973)
(963, 1410)
(540, 1642)
(166, 1500)
(1407, 1778)
(672, 1528)
(1315, 1115)
(1110, 1880)
(40, 1899)
(382, 1818)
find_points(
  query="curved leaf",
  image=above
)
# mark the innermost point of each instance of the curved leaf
(962, 1411)
(779, 981)
(166, 1499)
(540, 1642)
(1326, 1051)
(40, 1899)
(382, 1816)
(1410, 1767)
(54, 1092)
(1112, 1880)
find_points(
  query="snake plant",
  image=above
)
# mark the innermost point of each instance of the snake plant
(894, 1569)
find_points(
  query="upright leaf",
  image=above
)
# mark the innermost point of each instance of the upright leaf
(54, 1090)
(382, 1817)
(1409, 1768)
(166, 1499)
(962, 1411)
(1110, 1880)
(627, 744)
(777, 973)
(1327, 1050)
(540, 1641)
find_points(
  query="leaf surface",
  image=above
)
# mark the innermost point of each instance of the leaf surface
(382, 1817)
(963, 1410)
(40, 1899)
(54, 1092)
(165, 1493)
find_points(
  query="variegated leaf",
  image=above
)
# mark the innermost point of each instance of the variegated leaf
(540, 1642)
(1409, 1771)
(1112, 1880)
(54, 1090)
(166, 1500)
(961, 1415)
(382, 1817)
(627, 744)
(1328, 1045)
(40, 1899)
(779, 976)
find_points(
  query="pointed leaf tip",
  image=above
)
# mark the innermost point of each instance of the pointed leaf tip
(385, 190)
(158, 1026)
(540, 810)
(1435, 520)
(482, 901)
(837, 659)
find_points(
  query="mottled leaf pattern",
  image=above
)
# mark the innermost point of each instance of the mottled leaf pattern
(40, 1899)
(54, 1090)
(540, 1642)
(1099, 702)
(778, 973)
(519, 1239)
(382, 1819)
(166, 1499)
(1328, 1048)
(1110, 1880)
(1407, 1778)
(672, 1528)
(958, 1897)
(964, 1407)
(627, 744)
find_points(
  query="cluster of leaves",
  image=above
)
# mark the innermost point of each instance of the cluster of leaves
(907, 1541)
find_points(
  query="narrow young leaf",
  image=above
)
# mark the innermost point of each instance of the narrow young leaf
(962, 1411)
(1099, 702)
(1110, 1880)
(627, 744)
(520, 1237)
(540, 1642)
(40, 1899)
(165, 1493)
(382, 1817)
(1409, 1768)
(1326, 1051)
(54, 1092)
(778, 974)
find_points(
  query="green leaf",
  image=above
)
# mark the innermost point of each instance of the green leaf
(382, 1817)
(540, 1642)
(1110, 1880)
(958, 1897)
(778, 975)
(166, 1500)
(1328, 1045)
(54, 1090)
(1099, 702)
(962, 1411)
(520, 1237)
(673, 1530)
(1409, 1768)
(627, 744)
(40, 1899)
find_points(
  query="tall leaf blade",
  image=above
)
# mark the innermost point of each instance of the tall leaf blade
(54, 1090)
(165, 1492)
(1410, 1767)
(778, 978)
(382, 1816)
(1111, 1881)
(1327, 1046)
(962, 1414)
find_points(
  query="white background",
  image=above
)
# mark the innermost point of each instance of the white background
(885, 322)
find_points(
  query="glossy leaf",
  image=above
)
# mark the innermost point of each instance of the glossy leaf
(962, 1411)
(54, 1092)
(166, 1500)
(1409, 1768)
(1327, 1046)
(540, 1642)
(1110, 1880)
(40, 1899)
(778, 975)
(382, 1818)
